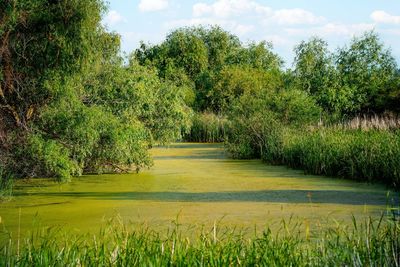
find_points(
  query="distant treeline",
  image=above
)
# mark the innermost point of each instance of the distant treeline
(217, 69)
(70, 103)
(243, 96)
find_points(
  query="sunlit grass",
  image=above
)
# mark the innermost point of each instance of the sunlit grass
(371, 156)
(366, 243)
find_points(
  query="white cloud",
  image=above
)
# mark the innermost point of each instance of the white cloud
(380, 16)
(295, 16)
(230, 25)
(200, 21)
(229, 8)
(113, 17)
(392, 31)
(152, 5)
(200, 9)
(232, 8)
(332, 29)
(241, 29)
(278, 40)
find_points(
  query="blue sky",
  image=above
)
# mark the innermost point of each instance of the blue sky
(285, 23)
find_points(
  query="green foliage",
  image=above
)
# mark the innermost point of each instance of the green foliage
(208, 127)
(359, 155)
(316, 74)
(258, 122)
(208, 56)
(234, 81)
(369, 243)
(137, 92)
(256, 55)
(41, 39)
(361, 78)
(183, 48)
(68, 104)
(367, 68)
(96, 140)
(41, 157)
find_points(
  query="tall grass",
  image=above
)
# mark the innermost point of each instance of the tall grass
(364, 150)
(372, 155)
(387, 121)
(208, 127)
(371, 243)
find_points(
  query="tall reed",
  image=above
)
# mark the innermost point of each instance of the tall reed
(370, 243)
(388, 121)
(372, 155)
(208, 127)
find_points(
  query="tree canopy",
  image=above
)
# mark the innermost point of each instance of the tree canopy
(68, 103)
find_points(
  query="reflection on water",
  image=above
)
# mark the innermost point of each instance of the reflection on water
(198, 182)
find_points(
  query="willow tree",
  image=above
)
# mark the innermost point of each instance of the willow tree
(41, 42)
(48, 127)
(369, 69)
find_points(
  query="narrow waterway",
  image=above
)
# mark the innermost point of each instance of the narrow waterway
(195, 184)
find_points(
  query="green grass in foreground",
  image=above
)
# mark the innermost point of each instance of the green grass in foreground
(370, 243)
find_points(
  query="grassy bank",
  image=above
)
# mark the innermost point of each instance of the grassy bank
(359, 155)
(371, 243)
(363, 150)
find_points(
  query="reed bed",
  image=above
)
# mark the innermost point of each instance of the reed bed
(370, 243)
(372, 156)
(364, 149)
(208, 127)
(387, 121)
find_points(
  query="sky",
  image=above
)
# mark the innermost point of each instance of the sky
(285, 23)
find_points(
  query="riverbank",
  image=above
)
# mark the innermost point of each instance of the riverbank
(200, 185)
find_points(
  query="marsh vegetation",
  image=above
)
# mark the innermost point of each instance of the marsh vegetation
(72, 105)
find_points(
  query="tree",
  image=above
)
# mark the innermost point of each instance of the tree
(42, 42)
(237, 80)
(256, 55)
(368, 69)
(315, 73)
(259, 122)
(203, 59)
(313, 66)
(68, 104)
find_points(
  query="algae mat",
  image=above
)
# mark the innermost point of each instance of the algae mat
(195, 185)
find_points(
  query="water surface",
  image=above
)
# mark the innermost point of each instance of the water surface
(196, 184)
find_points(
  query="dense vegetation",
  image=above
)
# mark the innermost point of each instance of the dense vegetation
(69, 103)
(371, 243)
(297, 116)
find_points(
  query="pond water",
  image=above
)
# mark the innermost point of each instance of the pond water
(195, 184)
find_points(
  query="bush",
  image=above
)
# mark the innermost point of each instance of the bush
(259, 122)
